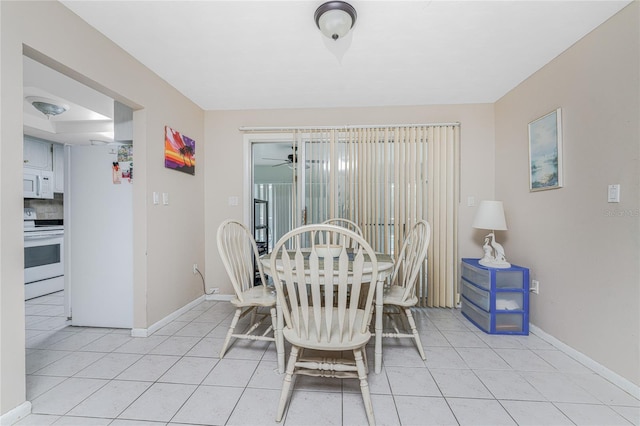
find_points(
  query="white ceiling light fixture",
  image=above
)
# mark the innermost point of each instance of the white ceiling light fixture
(335, 18)
(48, 107)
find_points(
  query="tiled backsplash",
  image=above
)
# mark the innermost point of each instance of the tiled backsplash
(47, 209)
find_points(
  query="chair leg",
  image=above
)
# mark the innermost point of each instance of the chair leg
(414, 330)
(234, 322)
(364, 385)
(364, 359)
(286, 384)
(254, 314)
(277, 334)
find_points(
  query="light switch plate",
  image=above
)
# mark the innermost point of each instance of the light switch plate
(613, 194)
(156, 199)
(165, 198)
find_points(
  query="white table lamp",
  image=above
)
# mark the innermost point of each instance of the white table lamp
(490, 215)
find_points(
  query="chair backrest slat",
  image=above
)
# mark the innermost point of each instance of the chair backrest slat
(343, 223)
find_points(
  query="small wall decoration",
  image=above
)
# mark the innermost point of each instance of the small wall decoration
(545, 152)
(116, 173)
(179, 151)
(125, 161)
(125, 153)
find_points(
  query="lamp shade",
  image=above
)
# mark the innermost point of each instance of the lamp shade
(490, 215)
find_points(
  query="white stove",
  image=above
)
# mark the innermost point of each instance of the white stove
(42, 227)
(43, 255)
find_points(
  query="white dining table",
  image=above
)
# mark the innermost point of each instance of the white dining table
(385, 269)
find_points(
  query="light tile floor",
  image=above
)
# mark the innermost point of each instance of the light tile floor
(95, 376)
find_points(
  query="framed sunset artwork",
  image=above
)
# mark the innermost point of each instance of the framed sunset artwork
(179, 151)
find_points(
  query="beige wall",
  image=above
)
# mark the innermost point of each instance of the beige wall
(224, 175)
(584, 251)
(586, 261)
(167, 240)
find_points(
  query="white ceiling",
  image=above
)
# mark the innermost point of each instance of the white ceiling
(89, 115)
(269, 54)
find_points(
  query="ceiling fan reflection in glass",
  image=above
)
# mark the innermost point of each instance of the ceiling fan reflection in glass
(292, 159)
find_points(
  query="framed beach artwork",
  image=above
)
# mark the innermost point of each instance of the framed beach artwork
(545, 152)
(179, 151)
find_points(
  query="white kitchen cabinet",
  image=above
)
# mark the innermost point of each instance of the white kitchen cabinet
(37, 154)
(58, 168)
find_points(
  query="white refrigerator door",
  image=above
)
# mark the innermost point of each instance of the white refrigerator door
(99, 233)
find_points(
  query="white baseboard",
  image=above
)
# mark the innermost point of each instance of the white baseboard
(223, 297)
(13, 416)
(146, 332)
(139, 332)
(613, 377)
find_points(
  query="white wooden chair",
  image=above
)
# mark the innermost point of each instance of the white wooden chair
(344, 223)
(325, 322)
(239, 255)
(400, 296)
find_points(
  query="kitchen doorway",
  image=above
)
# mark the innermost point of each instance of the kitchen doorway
(89, 126)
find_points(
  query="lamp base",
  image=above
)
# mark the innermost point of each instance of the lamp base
(492, 263)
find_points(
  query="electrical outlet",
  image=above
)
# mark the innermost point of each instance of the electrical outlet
(535, 287)
(214, 290)
(195, 268)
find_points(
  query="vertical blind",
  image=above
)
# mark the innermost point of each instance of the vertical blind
(386, 179)
(442, 214)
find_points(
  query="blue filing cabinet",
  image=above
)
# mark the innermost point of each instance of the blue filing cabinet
(495, 300)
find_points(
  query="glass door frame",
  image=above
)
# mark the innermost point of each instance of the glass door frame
(249, 140)
(299, 142)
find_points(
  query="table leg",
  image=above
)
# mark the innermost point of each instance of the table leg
(378, 328)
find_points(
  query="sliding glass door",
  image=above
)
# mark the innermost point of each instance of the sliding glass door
(385, 179)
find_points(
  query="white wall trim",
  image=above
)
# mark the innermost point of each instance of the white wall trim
(146, 332)
(613, 377)
(139, 332)
(16, 414)
(223, 297)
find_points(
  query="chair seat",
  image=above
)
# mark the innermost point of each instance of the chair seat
(311, 341)
(256, 296)
(393, 296)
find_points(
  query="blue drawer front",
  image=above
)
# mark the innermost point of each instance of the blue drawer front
(496, 322)
(481, 319)
(476, 295)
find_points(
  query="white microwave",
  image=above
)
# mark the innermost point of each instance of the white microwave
(37, 183)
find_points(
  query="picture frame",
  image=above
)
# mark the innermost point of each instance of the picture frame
(545, 152)
(179, 151)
